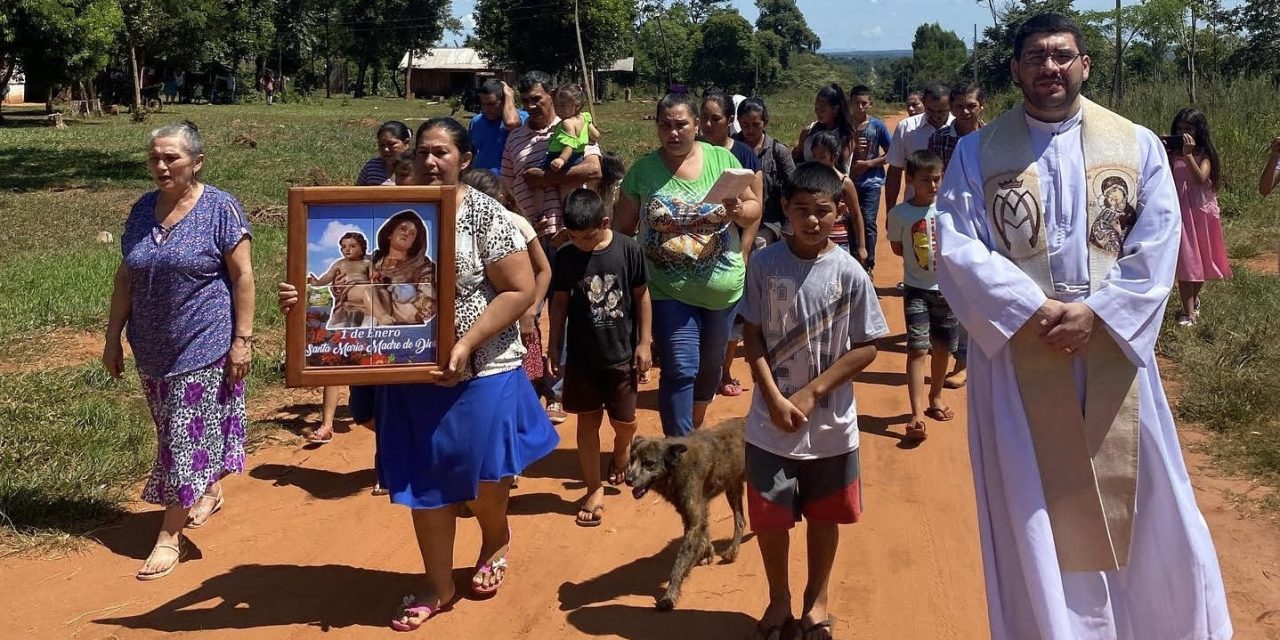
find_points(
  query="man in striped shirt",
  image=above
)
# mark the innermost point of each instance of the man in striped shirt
(536, 190)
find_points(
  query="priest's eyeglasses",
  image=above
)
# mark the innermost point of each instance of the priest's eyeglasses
(1062, 59)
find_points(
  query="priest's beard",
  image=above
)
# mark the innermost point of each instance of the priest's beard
(1049, 103)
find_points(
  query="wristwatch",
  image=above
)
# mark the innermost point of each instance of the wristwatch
(247, 339)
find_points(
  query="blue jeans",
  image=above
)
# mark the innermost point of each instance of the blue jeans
(690, 342)
(869, 199)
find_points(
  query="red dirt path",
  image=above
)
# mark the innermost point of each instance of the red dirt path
(301, 550)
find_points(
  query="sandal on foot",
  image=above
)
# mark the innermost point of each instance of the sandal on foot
(410, 608)
(316, 438)
(732, 388)
(193, 522)
(916, 432)
(492, 567)
(823, 627)
(160, 574)
(379, 490)
(941, 414)
(595, 516)
(956, 379)
(774, 631)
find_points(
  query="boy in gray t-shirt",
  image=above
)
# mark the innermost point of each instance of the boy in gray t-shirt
(811, 317)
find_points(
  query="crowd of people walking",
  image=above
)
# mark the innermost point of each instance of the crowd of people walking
(1039, 250)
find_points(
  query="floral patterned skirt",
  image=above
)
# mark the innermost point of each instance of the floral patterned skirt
(200, 426)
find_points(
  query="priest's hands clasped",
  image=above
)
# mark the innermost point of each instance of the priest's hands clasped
(1064, 326)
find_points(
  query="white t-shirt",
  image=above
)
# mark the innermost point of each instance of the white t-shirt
(522, 223)
(735, 129)
(811, 312)
(913, 226)
(911, 135)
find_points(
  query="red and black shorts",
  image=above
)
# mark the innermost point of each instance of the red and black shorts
(782, 490)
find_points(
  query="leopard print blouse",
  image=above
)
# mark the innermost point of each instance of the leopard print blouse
(483, 236)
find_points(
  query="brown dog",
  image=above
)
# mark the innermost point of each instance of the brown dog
(689, 471)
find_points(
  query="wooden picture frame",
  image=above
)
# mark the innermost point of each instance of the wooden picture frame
(375, 304)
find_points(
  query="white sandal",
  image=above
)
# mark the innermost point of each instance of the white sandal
(217, 506)
(160, 574)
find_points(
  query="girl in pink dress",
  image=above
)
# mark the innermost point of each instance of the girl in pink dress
(1196, 173)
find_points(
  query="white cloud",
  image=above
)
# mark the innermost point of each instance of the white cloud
(873, 32)
(469, 21)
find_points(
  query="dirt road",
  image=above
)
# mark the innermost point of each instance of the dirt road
(302, 550)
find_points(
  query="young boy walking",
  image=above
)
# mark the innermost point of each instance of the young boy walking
(931, 326)
(811, 318)
(600, 284)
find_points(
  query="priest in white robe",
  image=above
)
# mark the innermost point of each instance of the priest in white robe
(1064, 262)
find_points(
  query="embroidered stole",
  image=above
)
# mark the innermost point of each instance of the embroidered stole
(1088, 460)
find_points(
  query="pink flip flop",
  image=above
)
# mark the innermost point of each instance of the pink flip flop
(410, 610)
(489, 567)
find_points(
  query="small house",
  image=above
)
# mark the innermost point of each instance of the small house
(444, 71)
(15, 91)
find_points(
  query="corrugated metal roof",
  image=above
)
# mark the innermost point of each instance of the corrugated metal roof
(468, 59)
(447, 58)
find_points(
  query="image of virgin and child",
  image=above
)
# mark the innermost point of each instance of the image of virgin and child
(395, 286)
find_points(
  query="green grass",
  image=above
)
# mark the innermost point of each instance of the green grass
(1227, 366)
(74, 442)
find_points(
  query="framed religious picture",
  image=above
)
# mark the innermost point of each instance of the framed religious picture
(374, 268)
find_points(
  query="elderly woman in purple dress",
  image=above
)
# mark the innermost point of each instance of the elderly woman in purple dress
(184, 292)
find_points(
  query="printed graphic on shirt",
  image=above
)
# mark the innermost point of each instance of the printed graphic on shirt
(792, 356)
(685, 237)
(920, 243)
(604, 293)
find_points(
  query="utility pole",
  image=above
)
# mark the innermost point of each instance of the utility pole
(1117, 88)
(582, 59)
(328, 51)
(1191, 57)
(975, 54)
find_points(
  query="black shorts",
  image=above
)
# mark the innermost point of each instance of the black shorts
(589, 389)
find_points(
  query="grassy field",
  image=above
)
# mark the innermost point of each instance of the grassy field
(1227, 364)
(74, 442)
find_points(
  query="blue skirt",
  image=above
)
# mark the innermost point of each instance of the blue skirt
(437, 444)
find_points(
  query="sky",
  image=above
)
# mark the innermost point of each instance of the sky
(888, 24)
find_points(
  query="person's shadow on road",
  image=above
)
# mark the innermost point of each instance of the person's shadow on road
(256, 595)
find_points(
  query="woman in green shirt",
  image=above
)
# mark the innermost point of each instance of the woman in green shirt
(693, 250)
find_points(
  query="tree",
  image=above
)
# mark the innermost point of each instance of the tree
(784, 19)
(937, 55)
(701, 10)
(665, 43)
(8, 54)
(771, 50)
(63, 42)
(1260, 21)
(523, 34)
(723, 57)
(382, 30)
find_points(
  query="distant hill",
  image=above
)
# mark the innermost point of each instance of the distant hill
(882, 54)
